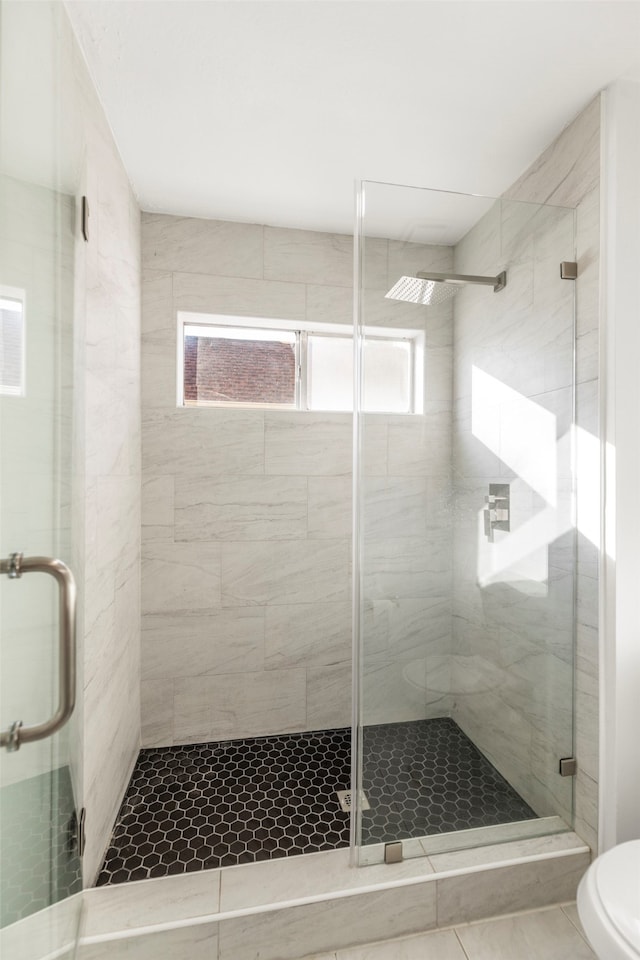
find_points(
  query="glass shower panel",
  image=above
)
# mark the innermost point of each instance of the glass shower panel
(40, 257)
(465, 553)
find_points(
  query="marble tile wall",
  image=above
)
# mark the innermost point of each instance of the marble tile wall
(513, 609)
(106, 461)
(513, 599)
(246, 574)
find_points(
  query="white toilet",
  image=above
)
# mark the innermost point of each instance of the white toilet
(609, 903)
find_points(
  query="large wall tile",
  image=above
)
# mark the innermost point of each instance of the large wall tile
(329, 696)
(158, 321)
(175, 578)
(438, 375)
(286, 572)
(402, 627)
(111, 406)
(586, 809)
(394, 691)
(192, 245)
(374, 443)
(569, 168)
(378, 311)
(421, 445)
(187, 442)
(157, 502)
(239, 705)
(200, 293)
(307, 634)
(159, 377)
(157, 712)
(406, 567)
(329, 304)
(587, 286)
(303, 256)
(329, 509)
(192, 645)
(394, 507)
(308, 444)
(238, 508)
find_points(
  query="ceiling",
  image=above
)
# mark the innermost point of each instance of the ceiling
(267, 111)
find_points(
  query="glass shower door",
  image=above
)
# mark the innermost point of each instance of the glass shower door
(39, 164)
(465, 556)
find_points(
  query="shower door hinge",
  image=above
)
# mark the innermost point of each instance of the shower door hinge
(77, 835)
(84, 219)
(497, 510)
(568, 270)
(568, 767)
(393, 852)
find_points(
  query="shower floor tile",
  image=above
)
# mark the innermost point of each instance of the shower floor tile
(218, 804)
(425, 777)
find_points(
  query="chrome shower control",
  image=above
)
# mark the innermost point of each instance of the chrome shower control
(497, 510)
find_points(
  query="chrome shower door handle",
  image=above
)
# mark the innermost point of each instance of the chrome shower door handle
(15, 567)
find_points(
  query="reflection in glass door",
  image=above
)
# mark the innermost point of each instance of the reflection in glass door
(466, 554)
(38, 251)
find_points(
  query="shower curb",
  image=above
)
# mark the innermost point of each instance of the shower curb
(206, 910)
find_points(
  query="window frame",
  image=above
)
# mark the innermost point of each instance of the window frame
(302, 330)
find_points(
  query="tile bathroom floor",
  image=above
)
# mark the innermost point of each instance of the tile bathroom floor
(218, 804)
(553, 933)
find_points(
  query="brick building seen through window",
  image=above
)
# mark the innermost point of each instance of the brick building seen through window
(218, 370)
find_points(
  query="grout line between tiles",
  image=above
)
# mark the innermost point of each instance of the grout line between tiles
(572, 922)
(218, 947)
(455, 933)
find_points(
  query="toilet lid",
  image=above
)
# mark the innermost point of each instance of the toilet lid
(618, 883)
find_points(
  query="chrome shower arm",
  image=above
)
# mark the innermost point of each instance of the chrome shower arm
(498, 283)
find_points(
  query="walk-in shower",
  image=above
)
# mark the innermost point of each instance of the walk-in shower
(463, 584)
(463, 566)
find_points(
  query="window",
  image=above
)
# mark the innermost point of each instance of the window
(239, 365)
(279, 364)
(12, 342)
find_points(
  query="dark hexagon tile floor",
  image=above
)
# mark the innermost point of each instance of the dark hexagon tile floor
(218, 804)
(425, 777)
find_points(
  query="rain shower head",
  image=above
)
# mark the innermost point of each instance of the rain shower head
(432, 288)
